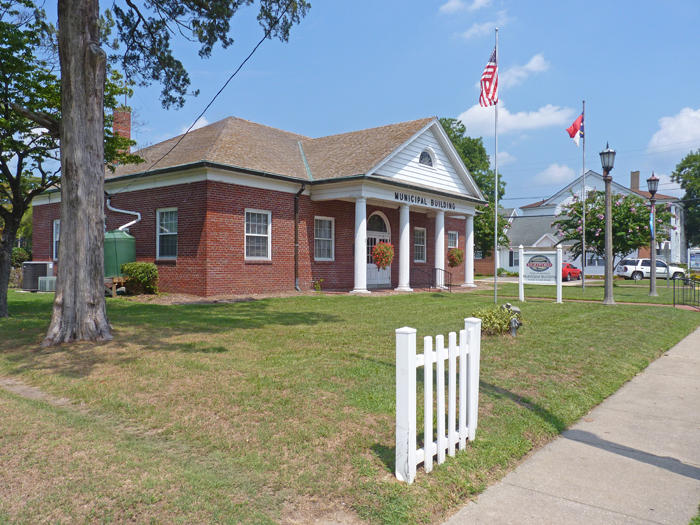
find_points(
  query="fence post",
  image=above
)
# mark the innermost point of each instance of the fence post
(559, 264)
(473, 327)
(406, 404)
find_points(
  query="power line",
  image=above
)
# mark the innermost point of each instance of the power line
(267, 34)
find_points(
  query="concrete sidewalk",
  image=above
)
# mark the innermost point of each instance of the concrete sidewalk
(633, 460)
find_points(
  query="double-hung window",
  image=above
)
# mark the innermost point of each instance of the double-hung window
(323, 238)
(419, 243)
(56, 237)
(166, 238)
(452, 240)
(514, 256)
(258, 236)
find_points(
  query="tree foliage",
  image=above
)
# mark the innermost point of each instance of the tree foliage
(687, 174)
(475, 158)
(630, 223)
(30, 111)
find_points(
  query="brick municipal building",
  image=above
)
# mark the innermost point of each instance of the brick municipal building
(237, 207)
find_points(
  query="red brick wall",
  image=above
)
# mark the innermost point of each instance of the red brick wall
(211, 238)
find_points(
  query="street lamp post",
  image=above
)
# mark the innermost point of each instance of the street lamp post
(607, 159)
(653, 186)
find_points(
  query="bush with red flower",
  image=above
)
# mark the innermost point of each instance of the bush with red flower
(455, 257)
(383, 254)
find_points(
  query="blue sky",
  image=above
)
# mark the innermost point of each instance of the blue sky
(361, 64)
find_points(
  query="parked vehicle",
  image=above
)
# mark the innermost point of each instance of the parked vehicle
(569, 271)
(639, 269)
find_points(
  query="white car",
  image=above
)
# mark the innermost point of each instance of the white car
(639, 269)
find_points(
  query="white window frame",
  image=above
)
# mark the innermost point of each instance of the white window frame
(246, 235)
(514, 256)
(332, 239)
(158, 234)
(56, 238)
(433, 158)
(424, 245)
(456, 234)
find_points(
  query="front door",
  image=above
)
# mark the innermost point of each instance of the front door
(377, 277)
(377, 231)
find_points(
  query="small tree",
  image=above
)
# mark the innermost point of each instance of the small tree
(630, 224)
(475, 158)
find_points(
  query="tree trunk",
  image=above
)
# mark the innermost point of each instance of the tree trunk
(79, 311)
(7, 242)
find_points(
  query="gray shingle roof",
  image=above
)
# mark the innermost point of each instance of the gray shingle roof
(528, 230)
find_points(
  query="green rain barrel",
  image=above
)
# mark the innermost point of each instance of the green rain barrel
(120, 248)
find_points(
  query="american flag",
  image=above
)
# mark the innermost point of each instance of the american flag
(489, 83)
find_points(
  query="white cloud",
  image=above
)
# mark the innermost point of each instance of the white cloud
(201, 122)
(480, 121)
(504, 158)
(678, 129)
(517, 74)
(455, 6)
(555, 174)
(479, 30)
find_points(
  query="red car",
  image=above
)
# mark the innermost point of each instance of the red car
(569, 272)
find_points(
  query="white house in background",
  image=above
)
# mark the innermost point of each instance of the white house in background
(533, 227)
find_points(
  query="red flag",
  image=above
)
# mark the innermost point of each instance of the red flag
(576, 129)
(489, 83)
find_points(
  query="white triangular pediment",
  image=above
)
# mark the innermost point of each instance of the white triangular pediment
(448, 173)
(546, 241)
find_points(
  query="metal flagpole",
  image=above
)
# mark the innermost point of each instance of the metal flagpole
(495, 200)
(583, 207)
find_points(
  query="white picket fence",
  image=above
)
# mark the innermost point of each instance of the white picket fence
(450, 431)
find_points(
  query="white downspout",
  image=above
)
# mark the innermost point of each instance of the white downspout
(125, 226)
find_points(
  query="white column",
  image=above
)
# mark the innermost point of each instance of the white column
(440, 245)
(469, 254)
(360, 245)
(404, 249)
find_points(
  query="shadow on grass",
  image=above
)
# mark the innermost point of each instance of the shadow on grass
(150, 326)
(387, 455)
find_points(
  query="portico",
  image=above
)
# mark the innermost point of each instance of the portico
(416, 223)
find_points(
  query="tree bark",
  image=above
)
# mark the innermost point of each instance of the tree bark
(7, 242)
(79, 312)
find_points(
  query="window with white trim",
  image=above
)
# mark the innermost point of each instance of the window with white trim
(426, 159)
(324, 230)
(56, 237)
(419, 243)
(452, 240)
(514, 258)
(258, 235)
(166, 236)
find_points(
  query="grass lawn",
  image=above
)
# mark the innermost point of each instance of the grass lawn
(282, 410)
(623, 291)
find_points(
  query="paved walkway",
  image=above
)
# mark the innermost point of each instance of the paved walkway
(633, 460)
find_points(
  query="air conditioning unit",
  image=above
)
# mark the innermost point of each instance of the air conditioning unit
(31, 271)
(47, 284)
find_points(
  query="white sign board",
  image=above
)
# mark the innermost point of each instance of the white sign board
(540, 268)
(694, 260)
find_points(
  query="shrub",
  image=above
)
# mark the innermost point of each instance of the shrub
(20, 255)
(455, 257)
(496, 321)
(501, 272)
(142, 277)
(383, 254)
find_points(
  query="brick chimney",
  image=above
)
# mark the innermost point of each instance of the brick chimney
(634, 180)
(122, 124)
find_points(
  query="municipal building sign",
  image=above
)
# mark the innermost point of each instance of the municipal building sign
(424, 201)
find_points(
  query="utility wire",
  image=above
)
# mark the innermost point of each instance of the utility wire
(267, 34)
